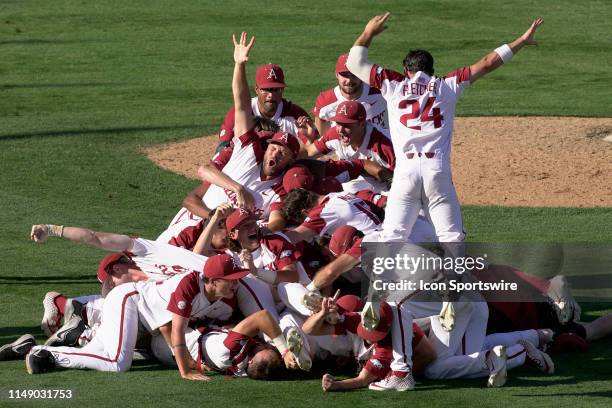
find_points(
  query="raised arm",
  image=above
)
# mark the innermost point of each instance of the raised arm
(503, 54)
(103, 240)
(243, 119)
(202, 245)
(357, 61)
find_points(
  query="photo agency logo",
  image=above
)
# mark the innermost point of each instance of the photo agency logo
(492, 272)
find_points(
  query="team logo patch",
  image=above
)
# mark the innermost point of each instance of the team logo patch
(285, 138)
(377, 364)
(272, 74)
(181, 305)
(286, 253)
(237, 264)
(343, 110)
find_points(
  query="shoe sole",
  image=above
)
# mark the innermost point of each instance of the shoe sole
(47, 325)
(28, 366)
(22, 339)
(295, 344)
(498, 379)
(375, 387)
(59, 339)
(530, 349)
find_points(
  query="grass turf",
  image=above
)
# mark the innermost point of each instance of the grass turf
(84, 86)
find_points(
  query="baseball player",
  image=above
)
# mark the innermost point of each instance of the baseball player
(354, 138)
(270, 104)
(349, 88)
(234, 351)
(421, 111)
(251, 178)
(321, 215)
(166, 306)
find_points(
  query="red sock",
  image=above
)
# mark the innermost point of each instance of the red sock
(60, 302)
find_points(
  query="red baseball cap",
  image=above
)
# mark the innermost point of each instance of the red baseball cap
(288, 140)
(270, 76)
(224, 266)
(341, 64)
(328, 185)
(568, 343)
(342, 239)
(349, 112)
(384, 325)
(298, 177)
(107, 263)
(237, 217)
(349, 303)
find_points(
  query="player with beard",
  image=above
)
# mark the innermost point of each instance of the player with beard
(349, 88)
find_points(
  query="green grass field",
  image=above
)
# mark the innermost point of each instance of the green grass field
(84, 86)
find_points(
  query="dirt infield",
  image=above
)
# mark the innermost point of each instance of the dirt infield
(507, 161)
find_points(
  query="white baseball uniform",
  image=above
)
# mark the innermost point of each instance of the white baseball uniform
(421, 112)
(148, 302)
(338, 209)
(243, 167)
(376, 146)
(371, 99)
(285, 117)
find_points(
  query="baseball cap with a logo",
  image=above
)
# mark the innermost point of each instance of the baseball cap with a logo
(298, 177)
(288, 140)
(270, 76)
(237, 217)
(349, 112)
(224, 266)
(341, 64)
(383, 327)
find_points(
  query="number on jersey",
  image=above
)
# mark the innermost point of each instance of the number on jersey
(426, 115)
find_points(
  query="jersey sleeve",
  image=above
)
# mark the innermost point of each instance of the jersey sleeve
(141, 247)
(458, 80)
(385, 80)
(226, 133)
(220, 159)
(235, 342)
(314, 221)
(284, 250)
(182, 297)
(344, 170)
(323, 144)
(379, 362)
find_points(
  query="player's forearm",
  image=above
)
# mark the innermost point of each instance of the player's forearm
(322, 125)
(193, 201)
(202, 245)
(330, 272)
(377, 171)
(179, 344)
(361, 381)
(315, 325)
(214, 176)
(243, 119)
(364, 39)
(103, 240)
(276, 222)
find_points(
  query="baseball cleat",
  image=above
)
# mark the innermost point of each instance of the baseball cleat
(68, 335)
(39, 361)
(52, 315)
(295, 344)
(538, 358)
(447, 316)
(370, 315)
(395, 380)
(496, 363)
(72, 308)
(18, 349)
(312, 301)
(563, 302)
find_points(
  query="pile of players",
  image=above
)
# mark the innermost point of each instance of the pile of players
(247, 278)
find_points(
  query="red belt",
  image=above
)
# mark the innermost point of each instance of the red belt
(429, 155)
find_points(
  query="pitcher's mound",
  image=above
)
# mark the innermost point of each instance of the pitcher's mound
(509, 161)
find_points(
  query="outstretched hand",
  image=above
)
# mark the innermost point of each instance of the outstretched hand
(39, 233)
(376, 25)
(242, 48)
(528, 37)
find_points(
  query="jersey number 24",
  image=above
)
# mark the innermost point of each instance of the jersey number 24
(426, 115)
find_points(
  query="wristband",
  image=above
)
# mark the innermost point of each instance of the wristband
(266, 275)
(505, 53)
(55, 230)
(281, 345)
(181, 345)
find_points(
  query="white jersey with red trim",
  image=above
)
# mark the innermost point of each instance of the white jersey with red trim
(274, 253)
(182, 295)
(371, 99)
(421, 109)
(244, 168)
(160, 261)
(338, 209)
